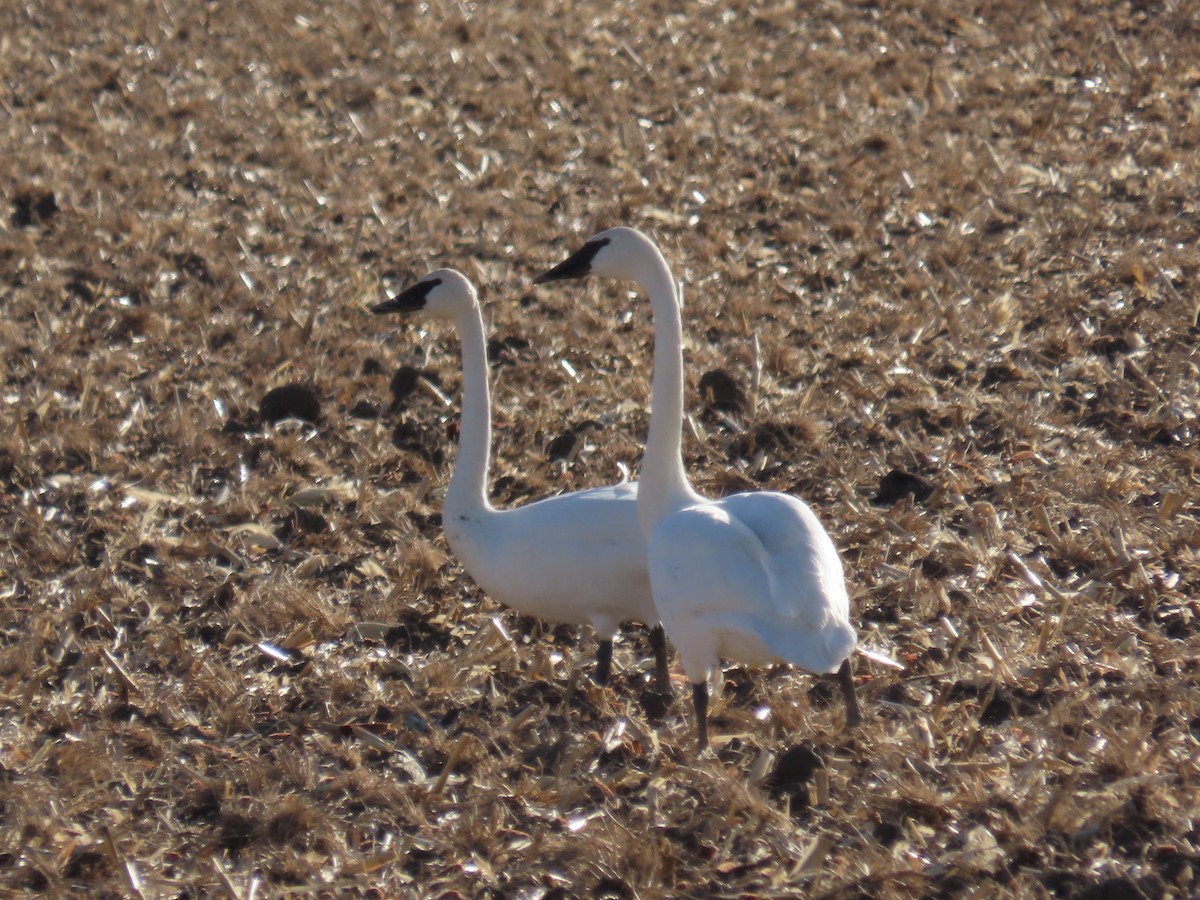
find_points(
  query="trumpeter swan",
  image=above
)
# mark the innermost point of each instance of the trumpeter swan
(578, 558)
(752, 577)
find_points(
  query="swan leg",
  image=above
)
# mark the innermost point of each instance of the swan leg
(846, 679)
(604, 661)
(662, 667)
(700, 702)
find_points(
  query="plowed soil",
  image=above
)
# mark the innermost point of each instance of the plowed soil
(941, 273)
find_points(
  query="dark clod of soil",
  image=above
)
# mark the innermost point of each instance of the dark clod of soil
(365, 409)
(612, 889)
(236, 832)
(1009, 703)
(1114, 889)
(721, 392)
(194, 266)
(821, 693)
(302, 521)
(86, 864)
(998, 711)
(655, 705)
(898, 484)
(418, 439)
(222, 597)
(290, 401)
(562, 447)
(8, 465)
(776, 438)
(31, 208)
(504, 351)
(793, 771)
(403, 385)
(415, 634)
(202, 804)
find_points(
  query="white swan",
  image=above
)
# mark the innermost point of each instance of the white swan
(752, 577)
(578, 558)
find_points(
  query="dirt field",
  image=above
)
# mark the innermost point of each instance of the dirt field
(236, 657)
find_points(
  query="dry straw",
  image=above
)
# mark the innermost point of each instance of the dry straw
(949, 256)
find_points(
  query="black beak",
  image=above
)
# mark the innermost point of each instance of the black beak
(409, 300)
(577, 265)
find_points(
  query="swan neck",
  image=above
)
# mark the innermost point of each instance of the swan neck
(664, 486)
(467, 492)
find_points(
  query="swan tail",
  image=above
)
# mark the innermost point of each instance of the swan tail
(821, 652)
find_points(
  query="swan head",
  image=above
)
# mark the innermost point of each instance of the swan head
(443, 292)
(615, 253)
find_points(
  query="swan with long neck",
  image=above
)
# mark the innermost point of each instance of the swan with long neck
(577, 558)
(752, 577)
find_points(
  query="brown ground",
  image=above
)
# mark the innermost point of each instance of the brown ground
(967, 244)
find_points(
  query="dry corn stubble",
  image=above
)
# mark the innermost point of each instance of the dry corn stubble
(237, 657)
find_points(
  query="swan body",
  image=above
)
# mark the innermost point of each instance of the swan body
(577, 558)
(772, 548)
(564, 559)
(752, 577)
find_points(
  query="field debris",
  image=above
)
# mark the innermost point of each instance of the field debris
(947, 265)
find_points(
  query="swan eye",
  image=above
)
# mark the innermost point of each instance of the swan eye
(577, 265)
(410, 299)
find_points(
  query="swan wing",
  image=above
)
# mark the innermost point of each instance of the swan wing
(802, 557)
(577, 558)
(703, 563)
(716, 582)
